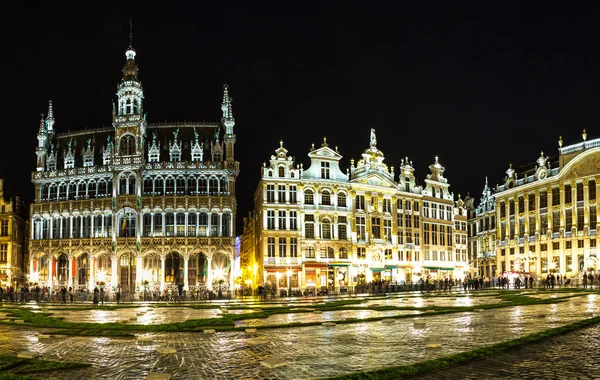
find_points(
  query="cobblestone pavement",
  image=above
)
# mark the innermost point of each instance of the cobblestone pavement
(309, 352)
(571, 356)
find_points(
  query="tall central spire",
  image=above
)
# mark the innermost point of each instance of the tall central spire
(130, 70)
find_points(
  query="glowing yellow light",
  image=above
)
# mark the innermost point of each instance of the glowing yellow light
(101, 276)
(219, 273)
(289, 272)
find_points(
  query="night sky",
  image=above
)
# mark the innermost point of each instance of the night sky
(480, 87)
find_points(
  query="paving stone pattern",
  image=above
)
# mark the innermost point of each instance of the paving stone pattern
(571, 356)
(310, 352)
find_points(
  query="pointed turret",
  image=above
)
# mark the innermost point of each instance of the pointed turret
(50, 120)
(228, 122)
(41, 150)
(130, 93)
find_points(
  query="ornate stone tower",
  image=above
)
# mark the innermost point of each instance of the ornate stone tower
(228, 122)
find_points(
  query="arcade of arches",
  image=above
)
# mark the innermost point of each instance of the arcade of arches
(133, 272)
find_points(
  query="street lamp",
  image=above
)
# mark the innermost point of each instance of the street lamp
(289, 276)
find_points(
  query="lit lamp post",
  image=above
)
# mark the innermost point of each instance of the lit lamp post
(289, 277)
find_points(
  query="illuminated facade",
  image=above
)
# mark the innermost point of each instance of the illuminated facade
(14, 230)
(547, 217)
(482, 233)
(320, 227)
(137, 204)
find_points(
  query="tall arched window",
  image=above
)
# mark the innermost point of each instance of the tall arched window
(343, 253)
(98, 225)
(158, 224)
(127, 223)
(202, 186)
(202, 224)
(131, 185)
(169, 186)
(128, 106)
(326, 229)
(309, 197)
(213, 186)
(281, 170)
(72, 190)
(102, 188)
(326, 198)
(180, 224)
(122, 185)
(87, 226)
(223, 185)
(127, 146)
(92, 189)
(225, 230)
(148, 185)
(214, 224)
(341, 200)
(191, 185)
(169, 224)
(81, 190)
(147, 229)
(192, 224)
(309, 253)
(62, 191)
(180, 189)
(159, 186)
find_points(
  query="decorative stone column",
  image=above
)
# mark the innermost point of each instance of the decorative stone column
(69, 271)
(114, 278)
(209, 273)
(186, 259)
(231, 275)
(162, 273)
(139, 267)
(50, 260)
(92, 273)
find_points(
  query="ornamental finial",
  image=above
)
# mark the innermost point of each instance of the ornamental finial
(373, 139)
(130, 33)
(281, 143)
(584, 135)
(560, 141)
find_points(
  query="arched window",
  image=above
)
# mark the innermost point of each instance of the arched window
(127, 146)
(341, 200)
(98, 225)
(128, 106)
(135, 106)
(214, 224)
(180, 189)
(64, 229)
(223, 185)
(169, 186)
(81, 190)
(326, 198)
(148, 184)
(292, 174)
(158, 224)
(131, 185)
(343, 253)
(213, 186)
(309, 197)
(202, 186)
(76, 229)
(192, 224)
(326, 229)
(225, 230)
(122, 185)
(62, 269)
(159, 186)
(169, 224)
(203, 224)
(87, 226)
(191, 185)
(147, 229)
(72, 191)
(62, 191)
(102, 188)
(127, 223)
(92, 189)
(180, 224)
(53, 192)
(281, 171)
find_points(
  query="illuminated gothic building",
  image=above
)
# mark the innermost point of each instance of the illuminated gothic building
(136, 204)
(482, 233)
(546, 212)
(14, 236)
(321, 227)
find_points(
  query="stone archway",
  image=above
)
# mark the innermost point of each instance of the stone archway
(62, 269)
(127, 271)
(197, 269)
(174, 268)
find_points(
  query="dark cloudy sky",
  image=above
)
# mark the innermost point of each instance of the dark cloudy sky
(478, 86)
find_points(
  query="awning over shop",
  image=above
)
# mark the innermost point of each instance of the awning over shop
(315, 265)
(376, 269)
(391, 267)
(339, 264)
(439, 268)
